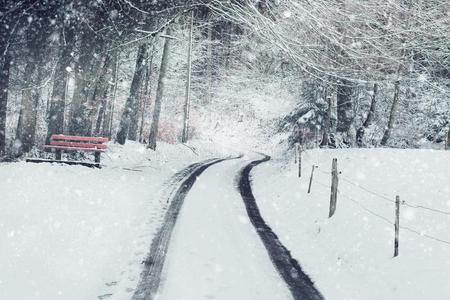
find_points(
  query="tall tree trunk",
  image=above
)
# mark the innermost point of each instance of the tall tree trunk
(26, 128)
(58, 97)
(107, 124)
(159, 93)
(344, 109)
(187, 102)
(6, 30)
(134, 119)
(4, 86)
(392, 115)
(37, 35)
(209, 64)
(101, 96)
(326, 123)
(144, 102)
(370, 115)
(128, 122)
(147, 93)
(98, 98)
(333, 120)
(330, 122)
(447, 145)
(86, 69)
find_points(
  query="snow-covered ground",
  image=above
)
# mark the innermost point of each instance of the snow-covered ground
(71, 232)
(350, 256)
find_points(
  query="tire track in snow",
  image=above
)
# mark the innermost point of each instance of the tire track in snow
(151, 275)
(300, 285)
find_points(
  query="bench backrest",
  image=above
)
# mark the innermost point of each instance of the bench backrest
(78, 141)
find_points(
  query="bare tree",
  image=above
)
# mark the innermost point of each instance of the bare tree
(128, 122)
(392, 114)
(159, 93)
(58, 98)
(187, 102)
(369, 119)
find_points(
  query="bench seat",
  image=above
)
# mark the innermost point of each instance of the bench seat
(75, 148)
(70, 143)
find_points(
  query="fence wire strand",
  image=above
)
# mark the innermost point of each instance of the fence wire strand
(421, 234)
(387, 199)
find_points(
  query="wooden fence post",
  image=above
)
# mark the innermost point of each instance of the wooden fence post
(295, 152)
(334, 188)
(311, 178)
(397, 224)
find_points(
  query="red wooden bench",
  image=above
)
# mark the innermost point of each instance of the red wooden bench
(60, 143)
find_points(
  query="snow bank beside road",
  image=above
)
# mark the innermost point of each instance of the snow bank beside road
(73, 232)
(350, 255)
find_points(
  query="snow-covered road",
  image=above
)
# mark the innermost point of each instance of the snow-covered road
(215, 252)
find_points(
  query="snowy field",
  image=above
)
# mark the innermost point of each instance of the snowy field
(71, 232)
(350, 256)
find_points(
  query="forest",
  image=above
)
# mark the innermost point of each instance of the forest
(224, 149)
(344, 73)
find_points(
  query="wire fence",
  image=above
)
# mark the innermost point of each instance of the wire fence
(384, 198)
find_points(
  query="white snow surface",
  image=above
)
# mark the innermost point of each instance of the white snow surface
(350, 256)
(72, 232)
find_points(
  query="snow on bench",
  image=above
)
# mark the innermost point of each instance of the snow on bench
(68, 143)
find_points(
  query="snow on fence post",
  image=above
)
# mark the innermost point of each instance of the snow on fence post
(334, 187)
(295, 152)
(397, 224)
(311, 178)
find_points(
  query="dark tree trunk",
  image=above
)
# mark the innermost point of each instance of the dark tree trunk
(392, 115)
(330, 122)
(345, 114)
(137, 95)
(159, 94)
(370, 115)
(147, 95)
(6, 29)
(58, 97)
(128, 122)
(326, 123)
(4, 85)
(37, 46)
(101, 118)
(447, 145)
(187, 103)
(209, 65)
(85, 72)
(25, 134)
(98, 99)
(107, 123)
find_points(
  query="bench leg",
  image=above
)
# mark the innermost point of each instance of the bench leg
(58, 154)
(97, 157)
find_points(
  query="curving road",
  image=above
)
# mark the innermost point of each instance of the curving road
(214, 244)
